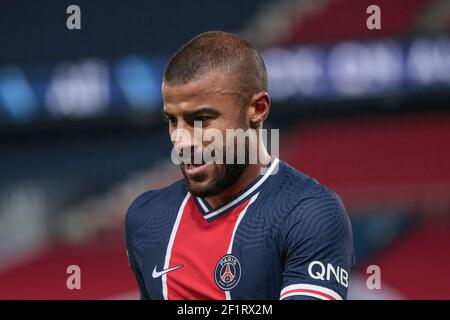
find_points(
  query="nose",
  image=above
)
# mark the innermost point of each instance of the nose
(187, 142)
(182, 141)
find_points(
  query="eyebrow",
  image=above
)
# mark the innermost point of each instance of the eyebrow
(201, 111)
(166, 114)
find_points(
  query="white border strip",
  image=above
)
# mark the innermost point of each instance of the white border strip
(170, 245)
(241, 215)
(249, 191)
(230, 247)
(202, 204)
(319, 290)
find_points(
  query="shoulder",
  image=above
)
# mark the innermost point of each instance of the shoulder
(317, 225)
(312, 205)
(146, 205)
(299, 189)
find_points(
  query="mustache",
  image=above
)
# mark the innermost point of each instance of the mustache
(191, 156)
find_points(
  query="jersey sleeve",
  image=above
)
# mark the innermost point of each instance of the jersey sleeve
(138, 275)
(132, 259)
(317, 250)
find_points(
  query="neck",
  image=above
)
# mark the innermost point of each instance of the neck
(250, 174)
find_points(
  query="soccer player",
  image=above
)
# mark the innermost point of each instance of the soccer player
(259, 230)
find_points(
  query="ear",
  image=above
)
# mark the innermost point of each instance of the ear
(258, 109)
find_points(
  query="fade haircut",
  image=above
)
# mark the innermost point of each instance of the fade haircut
(219, 51)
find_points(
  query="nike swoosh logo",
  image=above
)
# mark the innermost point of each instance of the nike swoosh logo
(157, 274)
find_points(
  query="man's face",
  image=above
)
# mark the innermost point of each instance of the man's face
(214, 102)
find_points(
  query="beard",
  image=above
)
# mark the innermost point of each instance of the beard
(223, 177)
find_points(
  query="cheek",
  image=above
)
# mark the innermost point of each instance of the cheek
(214, 133)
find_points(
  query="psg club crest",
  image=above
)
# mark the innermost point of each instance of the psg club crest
(228, 272)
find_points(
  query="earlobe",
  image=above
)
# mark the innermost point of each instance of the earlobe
(256, 120)
(254, 124)
(254, 116)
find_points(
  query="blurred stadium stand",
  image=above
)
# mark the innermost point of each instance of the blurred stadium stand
(334, 21)
(366, 112)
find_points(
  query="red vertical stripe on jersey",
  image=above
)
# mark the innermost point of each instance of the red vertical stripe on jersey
(198, 246)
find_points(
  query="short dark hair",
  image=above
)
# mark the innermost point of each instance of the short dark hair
(218, 50)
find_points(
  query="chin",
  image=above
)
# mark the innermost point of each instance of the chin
(199, 191)
(200, 187)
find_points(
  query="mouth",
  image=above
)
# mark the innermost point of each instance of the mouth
(195, 170)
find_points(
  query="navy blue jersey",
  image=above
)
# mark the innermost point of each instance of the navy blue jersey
(285, 236)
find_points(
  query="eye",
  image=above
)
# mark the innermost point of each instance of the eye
(203, 119)
(198, 118)
(171, 120)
